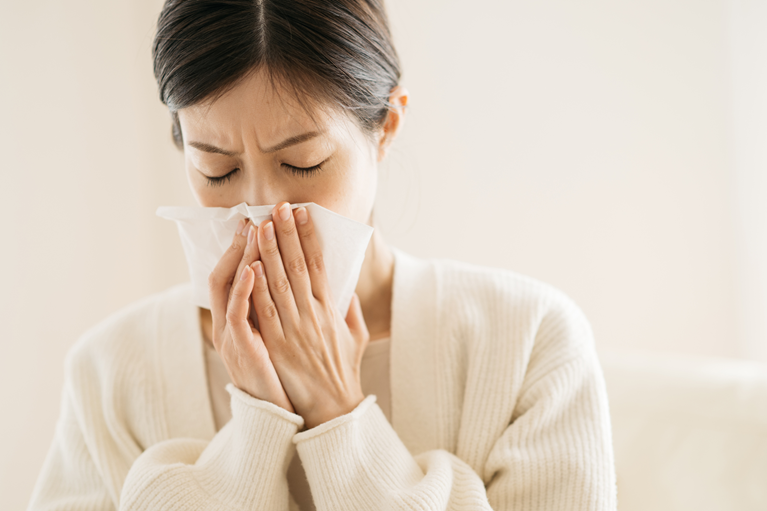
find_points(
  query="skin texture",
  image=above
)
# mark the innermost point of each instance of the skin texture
(305, 356)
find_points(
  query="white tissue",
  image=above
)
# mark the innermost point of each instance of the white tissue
(206, 233)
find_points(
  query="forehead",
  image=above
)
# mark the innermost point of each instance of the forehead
(259, 108)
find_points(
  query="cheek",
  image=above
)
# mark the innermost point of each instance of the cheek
(353, 188)
(206, 196)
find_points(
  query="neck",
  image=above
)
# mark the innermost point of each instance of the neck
(374, 287)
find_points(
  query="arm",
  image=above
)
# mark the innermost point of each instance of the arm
(90, 467)
(555, 452)
(69, 479)
(357, 461)
(98, 462)
(244, 466)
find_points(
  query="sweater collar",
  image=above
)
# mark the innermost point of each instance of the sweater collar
(181, 352)
(412, 360)
(413, 350)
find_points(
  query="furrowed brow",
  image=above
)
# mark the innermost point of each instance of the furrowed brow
(211, 149)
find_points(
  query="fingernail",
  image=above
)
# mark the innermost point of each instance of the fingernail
(240, 226)
(285, 212)
(269, 231)
(251, 235)
(244, 273)
(301, 216)
(258, 269)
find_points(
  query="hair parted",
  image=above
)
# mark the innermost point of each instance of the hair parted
(337, 52)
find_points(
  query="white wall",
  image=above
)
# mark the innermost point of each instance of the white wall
(592, 137)
(613, 149)
(86, 158)
(749, 152)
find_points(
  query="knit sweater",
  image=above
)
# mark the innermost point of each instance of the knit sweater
(497, 402)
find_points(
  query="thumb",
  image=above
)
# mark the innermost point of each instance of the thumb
(356, 321)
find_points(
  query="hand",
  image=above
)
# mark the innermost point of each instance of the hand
(234, 337)
(316, 352)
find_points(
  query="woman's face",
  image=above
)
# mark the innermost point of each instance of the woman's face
(257, 145)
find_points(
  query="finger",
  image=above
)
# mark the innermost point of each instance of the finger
(251, 248)
(312, 254)
(292, 256)
(269, 323)
(276, 278)
(222, 276)
(237, 312)
(356, 321)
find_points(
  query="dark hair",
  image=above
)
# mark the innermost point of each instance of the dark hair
(336, 51)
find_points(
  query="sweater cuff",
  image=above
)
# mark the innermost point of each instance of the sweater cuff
(357, 460)
(251, 453)
(244, 404)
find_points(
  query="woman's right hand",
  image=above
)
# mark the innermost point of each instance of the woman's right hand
(235, 338)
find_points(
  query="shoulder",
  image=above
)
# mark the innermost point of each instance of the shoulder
(126, 340)
(518, 322)
(505, 293)
(502, 306)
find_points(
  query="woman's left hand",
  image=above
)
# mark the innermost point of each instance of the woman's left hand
(316, 352)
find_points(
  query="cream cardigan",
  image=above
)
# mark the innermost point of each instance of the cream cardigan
(498, 402)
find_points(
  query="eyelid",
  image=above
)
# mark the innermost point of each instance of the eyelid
(304, 171)
(220, 180)
(323, 162)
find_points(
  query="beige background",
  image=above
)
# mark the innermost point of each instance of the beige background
(613, 149)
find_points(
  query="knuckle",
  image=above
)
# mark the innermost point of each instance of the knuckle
(307, 231)
(289, 229)
(316, 262)
(214, 280)
(272, 250)
(236, 245)
(231, 317)
(298, 265)
(281, 284)
(270, 311)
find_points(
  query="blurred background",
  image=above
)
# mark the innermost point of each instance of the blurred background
(615, 149)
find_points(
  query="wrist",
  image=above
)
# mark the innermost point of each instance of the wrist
(322, 414)
(243, 404)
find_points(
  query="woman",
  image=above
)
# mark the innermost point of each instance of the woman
(444, 386)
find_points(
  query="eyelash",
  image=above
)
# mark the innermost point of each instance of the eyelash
(220, 180)
(298, 171)
(303, 171)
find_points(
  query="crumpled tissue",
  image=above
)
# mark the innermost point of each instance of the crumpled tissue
(206, 233)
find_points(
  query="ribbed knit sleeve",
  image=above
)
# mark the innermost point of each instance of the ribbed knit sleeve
(357, 461)
(499, 403)
(553, 457)
(69, 479)
(553, 451)
(136, 430)
(244, 467)
(557, 453)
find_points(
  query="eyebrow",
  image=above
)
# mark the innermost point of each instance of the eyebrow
(202, 146)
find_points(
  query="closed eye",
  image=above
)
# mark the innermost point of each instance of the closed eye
(304, 171)
(220, 180)
(298, 171)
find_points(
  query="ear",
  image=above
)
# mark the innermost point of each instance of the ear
(395, 118)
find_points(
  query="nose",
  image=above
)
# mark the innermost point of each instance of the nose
(266, 189)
